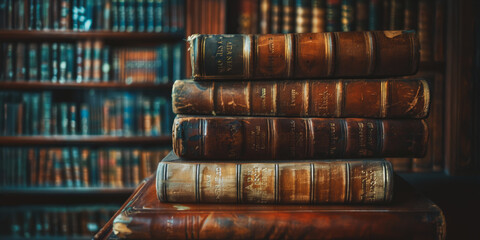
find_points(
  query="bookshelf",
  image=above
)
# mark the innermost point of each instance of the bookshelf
(86, 41)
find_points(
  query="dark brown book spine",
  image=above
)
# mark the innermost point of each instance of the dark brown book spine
(425, 30)
(364, 182)
(410, 14)
(208, 137)
(308, 55)
(439, 34)
(361, 15)
(336, 98)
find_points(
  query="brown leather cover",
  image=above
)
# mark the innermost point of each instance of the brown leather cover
(266, 138)
(304, 55)
(305, 98)
(409, 216)
(274, 182)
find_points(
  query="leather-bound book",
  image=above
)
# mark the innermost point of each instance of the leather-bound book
(303, 16)
(409, 216)
(288, 15)
(265, 10)
(267, 182)
(276, 20)
(347, 13)
(371, 98)
(307, 55)
(361, 15)
(333, 15)
(426, 29)
(258, 138)
(318, 16)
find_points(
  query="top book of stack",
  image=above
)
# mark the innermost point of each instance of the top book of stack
(304, 55)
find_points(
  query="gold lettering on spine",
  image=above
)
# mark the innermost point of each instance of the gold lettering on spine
(218, 183)
(426, 97)
(329, 53)
(339, 98)
(370, 52)
(246, 56)
(384, 98)
(289, 54)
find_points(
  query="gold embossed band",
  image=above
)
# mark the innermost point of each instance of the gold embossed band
(383, 98)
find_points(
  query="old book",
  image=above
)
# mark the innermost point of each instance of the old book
(288, 16)
(276, 17)
(308, 55)
(361, 15)
(347, 14)
(301, 182)
(425, 29)
(374, 15)
(409, 216)
(333, 15)
(209, 137)
(303, 15)
(318, 16)
(410, 14)
(265, 9)
(397, 10)
(336, 98)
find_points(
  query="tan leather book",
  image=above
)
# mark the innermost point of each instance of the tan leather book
(386, 98)
(409, 216)
(304, 55)
(268, 182)
(265, 138)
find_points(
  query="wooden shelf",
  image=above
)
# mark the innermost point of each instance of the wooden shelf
(65, 190)
(56, 35)
(60, 140)
(21, 85)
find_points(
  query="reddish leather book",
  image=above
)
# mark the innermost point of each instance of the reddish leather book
(307, 55)
(265, 138)
(409, 216)
(279, 182)
(371, 98)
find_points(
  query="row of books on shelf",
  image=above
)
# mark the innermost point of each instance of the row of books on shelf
(86, 15)
(100, 113)
(89, 61)
(287, 16)
(74, 167)
(54, 221)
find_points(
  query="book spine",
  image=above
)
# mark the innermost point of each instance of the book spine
(106, 64)
(149, 15)
(347, 15)
(130, 15)
(425, 30)
(46, 14)
(397, 10)
(410, 15)
(79, 60)
(275, 20)
(67, 168)
(339, 54)
(122, 24)
(303, 16)
(97, 60)
(386, 11)
(70, 59)
(288, 16)
(84, 119)
(374, 16)
(45, 62)
(81, 15)
(46, 112)
(115, 15)
(276, 183)
(361, 15)
(20, 66)
(140, 8)
(62, 56)
(306, 98)
(75, 15)
(439, 33)
(265, 8)
(76, 167)
(72, 124)
(107, 9)
(33, 62)
(289, 138)
(318, 16)
(159, 15)
(64, 14)
(333, 15)
(87, 61)
(55, 63)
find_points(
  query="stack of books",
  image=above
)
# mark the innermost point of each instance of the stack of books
(266, 121)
